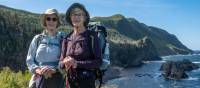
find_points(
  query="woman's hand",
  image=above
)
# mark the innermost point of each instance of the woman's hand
(41, 71)
(69, 62)
(45, 71)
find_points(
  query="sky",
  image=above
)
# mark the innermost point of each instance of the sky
(178, 17)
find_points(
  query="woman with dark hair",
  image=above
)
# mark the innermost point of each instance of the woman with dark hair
(77, 57)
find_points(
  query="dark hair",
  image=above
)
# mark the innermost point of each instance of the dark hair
(80, 6)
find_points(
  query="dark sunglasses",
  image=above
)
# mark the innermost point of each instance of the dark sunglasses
(77, 14)
(49, 19)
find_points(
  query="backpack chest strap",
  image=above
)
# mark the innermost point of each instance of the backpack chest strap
(49, 43)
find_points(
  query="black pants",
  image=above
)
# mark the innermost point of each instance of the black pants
(56, 81)
(82, 83)
(83, 79)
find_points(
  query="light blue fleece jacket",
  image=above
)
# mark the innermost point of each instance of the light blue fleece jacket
(44, 53)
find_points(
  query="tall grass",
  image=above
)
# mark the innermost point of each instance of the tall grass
(11, 79)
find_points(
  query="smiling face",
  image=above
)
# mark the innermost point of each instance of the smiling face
(51, 22)
(77, 17)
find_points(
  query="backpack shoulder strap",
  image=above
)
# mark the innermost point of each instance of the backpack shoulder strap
(38, 41)
(91, 40)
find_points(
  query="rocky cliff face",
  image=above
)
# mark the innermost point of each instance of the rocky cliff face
(132, 54)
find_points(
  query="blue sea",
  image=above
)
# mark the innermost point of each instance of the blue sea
(149, 76)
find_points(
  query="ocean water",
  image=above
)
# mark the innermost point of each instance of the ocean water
(149, 76)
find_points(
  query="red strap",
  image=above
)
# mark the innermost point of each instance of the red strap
(67, 83)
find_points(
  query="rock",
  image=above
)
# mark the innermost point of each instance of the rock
(176, 70)
(166, 68)
(188, 66)
(148, 50)
(111, 73)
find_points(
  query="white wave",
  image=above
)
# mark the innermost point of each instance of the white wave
(158, 74)
(196, 62)
(196, 70)
(192, 78)
(160, 61)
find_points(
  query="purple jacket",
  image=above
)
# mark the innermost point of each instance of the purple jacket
(78, 47)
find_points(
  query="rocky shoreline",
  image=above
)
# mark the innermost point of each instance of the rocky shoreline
(169, 69)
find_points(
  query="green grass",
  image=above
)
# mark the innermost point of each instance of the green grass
(11, 79)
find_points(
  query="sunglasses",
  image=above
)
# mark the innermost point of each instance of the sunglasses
(51, 19)
(77, 14)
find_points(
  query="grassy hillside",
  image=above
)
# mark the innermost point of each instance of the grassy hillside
(17, 28)
(165, 43)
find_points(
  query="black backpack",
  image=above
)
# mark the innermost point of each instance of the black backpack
(102, 34)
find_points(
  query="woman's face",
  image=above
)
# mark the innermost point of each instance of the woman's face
(51, 22)
(77, 17)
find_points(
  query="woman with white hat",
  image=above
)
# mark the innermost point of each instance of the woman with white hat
(44, 52)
